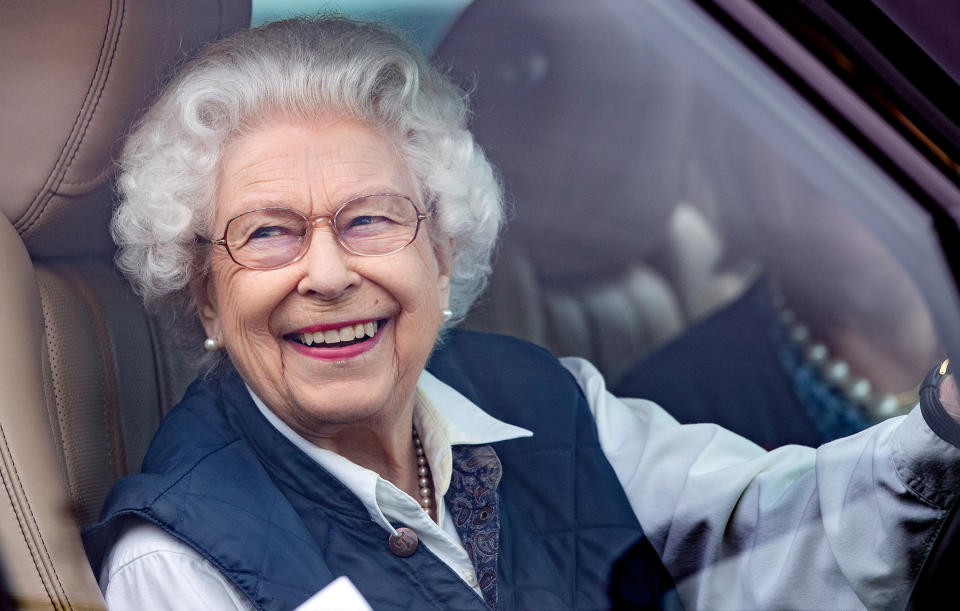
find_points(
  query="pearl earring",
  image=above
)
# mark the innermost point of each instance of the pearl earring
(211, 345)
(446, 314)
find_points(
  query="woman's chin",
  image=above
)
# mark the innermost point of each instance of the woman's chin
(316, 417)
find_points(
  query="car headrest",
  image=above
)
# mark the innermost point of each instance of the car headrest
(74, 76)
(586, 132)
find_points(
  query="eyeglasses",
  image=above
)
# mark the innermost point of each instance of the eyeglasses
(370, 226)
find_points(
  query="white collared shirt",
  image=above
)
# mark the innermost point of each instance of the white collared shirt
(845, 526)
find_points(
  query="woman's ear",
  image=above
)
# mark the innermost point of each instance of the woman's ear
(205, 298)
(444, 253)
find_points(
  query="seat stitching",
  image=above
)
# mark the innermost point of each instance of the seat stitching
(56, 415)
(39, 535)
(101, 75)
(112, 423)
(100, 176)
(56, 576)
(104, 78)
(48, 375)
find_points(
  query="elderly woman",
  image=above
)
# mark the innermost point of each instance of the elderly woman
(308, 193)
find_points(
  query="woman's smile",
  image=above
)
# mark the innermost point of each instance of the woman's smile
(337, 341)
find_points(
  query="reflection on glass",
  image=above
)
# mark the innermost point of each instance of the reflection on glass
(831, 336)
(690, 224)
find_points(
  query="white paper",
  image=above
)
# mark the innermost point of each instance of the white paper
(339, 595)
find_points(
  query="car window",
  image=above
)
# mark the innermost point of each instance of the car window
(685, 219)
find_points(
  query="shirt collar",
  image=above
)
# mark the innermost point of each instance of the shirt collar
(445, 418)
(465, 423)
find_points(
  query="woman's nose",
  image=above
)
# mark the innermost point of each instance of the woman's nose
(329, 270)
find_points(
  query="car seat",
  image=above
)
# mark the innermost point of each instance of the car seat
(86, 375)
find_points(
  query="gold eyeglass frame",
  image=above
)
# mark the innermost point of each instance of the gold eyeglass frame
(311, 224)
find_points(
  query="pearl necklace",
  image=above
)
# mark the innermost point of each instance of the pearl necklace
(855, 389)
(425, 480)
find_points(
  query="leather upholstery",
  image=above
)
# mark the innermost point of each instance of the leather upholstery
(105, 404)
(39, 540)
(74, 75)
(84, 377)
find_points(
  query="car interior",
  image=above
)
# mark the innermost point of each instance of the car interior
(616, 241)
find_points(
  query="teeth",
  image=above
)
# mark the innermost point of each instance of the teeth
(344, 334)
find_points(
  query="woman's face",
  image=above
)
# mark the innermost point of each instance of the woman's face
(261, 316)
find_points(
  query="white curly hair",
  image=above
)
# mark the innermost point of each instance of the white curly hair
(298, 68)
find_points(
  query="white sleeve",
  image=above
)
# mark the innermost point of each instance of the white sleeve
(845, 526)
(148, 569)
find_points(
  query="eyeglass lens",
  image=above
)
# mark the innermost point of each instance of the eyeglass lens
(373, 225)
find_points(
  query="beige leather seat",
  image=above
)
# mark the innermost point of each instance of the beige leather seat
(84, 374)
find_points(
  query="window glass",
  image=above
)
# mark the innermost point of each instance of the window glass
(687, 221)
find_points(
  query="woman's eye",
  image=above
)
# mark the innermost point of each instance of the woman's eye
(371, 222)
(271, 231)
(361, 221)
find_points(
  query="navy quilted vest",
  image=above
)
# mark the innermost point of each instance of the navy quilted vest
(224, 481)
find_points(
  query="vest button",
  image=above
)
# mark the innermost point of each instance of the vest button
(404, 543)
(483, 515)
